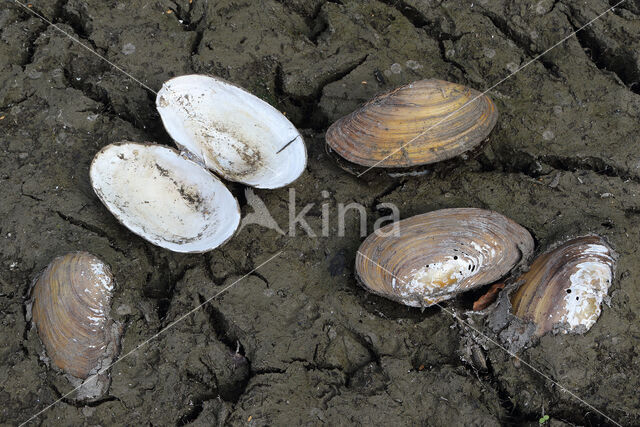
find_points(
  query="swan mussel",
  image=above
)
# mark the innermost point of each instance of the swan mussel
(435, 256)
(70, 308)
(565, 287)
(420, 123)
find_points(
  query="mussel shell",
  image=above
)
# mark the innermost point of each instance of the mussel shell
(234, 133)
(564, 288)
(70, 303)
(436, 255)
(420, 123)
(167, 199)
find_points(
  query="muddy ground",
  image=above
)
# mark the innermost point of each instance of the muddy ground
(298, 342)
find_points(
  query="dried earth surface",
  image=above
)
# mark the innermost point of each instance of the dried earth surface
(297, 341)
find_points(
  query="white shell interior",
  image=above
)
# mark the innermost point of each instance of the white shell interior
(233, 132)
(163, 197)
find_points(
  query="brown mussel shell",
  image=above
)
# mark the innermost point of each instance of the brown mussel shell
(423, 122)
(70, 309)
(564, 288)
(434, 256)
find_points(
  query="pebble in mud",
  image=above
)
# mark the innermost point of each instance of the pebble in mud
(489, 53)
(34, 74)
(128, 49)
(124, 309)
(512, 67)
(544, 6)
(395, 68)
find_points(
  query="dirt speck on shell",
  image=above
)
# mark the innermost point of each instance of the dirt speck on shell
(299, 342)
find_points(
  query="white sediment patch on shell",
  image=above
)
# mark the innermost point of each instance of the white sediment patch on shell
(483, 251)
(439, 281)
(233, 132)
(594, 249)
(589, 285)
(432, 278)
(414, 292)
(100, 274)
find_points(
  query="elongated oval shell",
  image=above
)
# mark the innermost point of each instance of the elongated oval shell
(168, 200)
(417, 124)
(70, 309)
(564, 288)
(234, 133)
(434, 256)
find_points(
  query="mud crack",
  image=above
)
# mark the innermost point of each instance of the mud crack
(391, 188)
(522, 42)
(313, 117)
(229, 336)
(92, 229)
(164, 300)
(617, 60)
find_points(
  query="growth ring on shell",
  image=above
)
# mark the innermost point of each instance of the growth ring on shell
(423, 122)
(159, 195)
(70, 303)
(436, 255)
(232, 132)
(564, 288)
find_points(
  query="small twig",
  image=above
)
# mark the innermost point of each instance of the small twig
(287, 144)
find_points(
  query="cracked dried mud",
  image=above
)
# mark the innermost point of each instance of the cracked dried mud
(298, 342)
